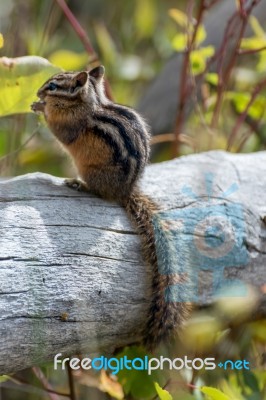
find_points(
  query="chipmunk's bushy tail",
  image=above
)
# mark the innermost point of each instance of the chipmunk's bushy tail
(163, 317)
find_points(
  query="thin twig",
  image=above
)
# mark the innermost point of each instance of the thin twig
(199, 107)
(185, 88)
(211, 3)
(251, 51)
(170, 137)
(242, 7)
(71, 383)
(224, 74)
(162, 138)
(257, 128)
(94, 58)
(243, 140)
(79, 30)
(20, 381)
(6, 157)
(261, 85)
(46, 26)
(46, 385)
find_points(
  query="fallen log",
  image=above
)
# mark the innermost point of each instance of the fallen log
(72, 278)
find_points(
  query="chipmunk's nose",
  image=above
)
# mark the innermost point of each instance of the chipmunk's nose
(40, 93)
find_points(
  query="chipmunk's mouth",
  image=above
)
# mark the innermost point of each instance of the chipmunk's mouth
(38, 106)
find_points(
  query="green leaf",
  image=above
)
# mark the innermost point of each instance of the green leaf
(231, 387)
(201, 35)
(258, 330)
(179, 17)
(241, 100)
(163, 394)
(256, 42)
(214, 394)
(198, 59)
(207, 51)
(212, 78)
(20, 79)
(254, 396)
(251, 381)
(256, 27)
(1, 40)
(180, 41)
(137, 382)
(253, 43)
(262, 61)
(201, 331)
(69, 60)
(105, 43)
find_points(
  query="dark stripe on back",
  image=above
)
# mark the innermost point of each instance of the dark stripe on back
(123, 133)
(117, 156)
(122, 111)
(130, 116)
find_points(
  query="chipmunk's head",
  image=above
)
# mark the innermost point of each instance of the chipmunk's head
(70, 89)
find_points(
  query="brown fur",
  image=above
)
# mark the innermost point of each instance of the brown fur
(110, 147)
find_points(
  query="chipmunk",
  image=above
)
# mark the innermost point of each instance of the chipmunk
(109, 144)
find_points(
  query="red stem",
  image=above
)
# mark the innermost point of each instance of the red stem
(251, 51)
(46, 385)
(211, 3)
(94, 58)
(224, 75)
(71, 383)
(19, 381)
(78, 29)
(185, 88)
(244, 114)
(242, 8)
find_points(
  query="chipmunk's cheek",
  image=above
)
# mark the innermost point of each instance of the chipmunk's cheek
(38, 106)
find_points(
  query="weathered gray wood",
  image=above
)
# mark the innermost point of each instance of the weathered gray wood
(71, 274)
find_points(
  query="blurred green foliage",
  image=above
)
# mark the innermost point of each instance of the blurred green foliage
(20, 80)
(132, 39)
(199, 55)
(244, 96)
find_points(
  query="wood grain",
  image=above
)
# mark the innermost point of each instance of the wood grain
(71, 274)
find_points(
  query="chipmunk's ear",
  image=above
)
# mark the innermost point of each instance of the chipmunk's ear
(97, 72)
(80, 79)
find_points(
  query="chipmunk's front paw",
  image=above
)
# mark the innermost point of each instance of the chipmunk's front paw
(38, 106)
(76, 184)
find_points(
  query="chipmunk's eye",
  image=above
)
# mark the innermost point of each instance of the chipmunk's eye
(52, 86)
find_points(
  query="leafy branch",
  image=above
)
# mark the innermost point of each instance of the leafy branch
(185, 88)
(234, 31)
(224, 60)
